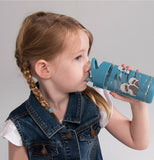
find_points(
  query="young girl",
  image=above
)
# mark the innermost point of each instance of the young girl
(62, 117)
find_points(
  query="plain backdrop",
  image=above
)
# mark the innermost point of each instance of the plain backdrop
(123, 33)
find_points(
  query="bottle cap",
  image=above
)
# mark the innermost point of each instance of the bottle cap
(99, 73)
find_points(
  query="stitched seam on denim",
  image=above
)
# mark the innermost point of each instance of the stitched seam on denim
(94, 153)
(46, 143)
(89, 151)
(43, 156)
(19, 115)
(49, 154)
(79, 107)
(78, 148)
(17, 124)
(40, 124)
(88, 139)
(77, 119)
(65, 150)
(79, 130)
(38, 121)
(64, 144)
(78, 144)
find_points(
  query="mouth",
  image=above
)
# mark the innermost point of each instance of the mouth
(88, 78)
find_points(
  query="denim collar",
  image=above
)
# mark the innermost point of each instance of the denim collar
(48, 123)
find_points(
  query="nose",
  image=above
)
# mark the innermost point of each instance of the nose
(87, 66)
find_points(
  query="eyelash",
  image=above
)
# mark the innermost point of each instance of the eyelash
(78, 58)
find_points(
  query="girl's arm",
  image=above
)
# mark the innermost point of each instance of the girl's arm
(17, 153)
(134, 133)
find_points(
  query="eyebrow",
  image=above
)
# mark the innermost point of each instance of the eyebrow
(82, 50)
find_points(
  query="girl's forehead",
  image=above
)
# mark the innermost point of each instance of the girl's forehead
(77, 41)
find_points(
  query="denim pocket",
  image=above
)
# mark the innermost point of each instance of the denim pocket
(88, 140)
(44, 150)
(89, 132)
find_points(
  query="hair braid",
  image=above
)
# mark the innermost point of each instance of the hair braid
(25, 69)
(32, 85)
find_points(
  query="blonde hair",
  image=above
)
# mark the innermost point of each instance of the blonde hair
(42, 36)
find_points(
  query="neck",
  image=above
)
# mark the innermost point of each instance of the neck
(57, 100)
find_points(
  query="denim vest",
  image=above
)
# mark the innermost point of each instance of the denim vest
(46, 139)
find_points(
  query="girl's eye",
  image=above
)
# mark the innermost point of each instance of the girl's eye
(78, 58)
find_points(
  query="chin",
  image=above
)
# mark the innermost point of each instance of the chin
(83, 88)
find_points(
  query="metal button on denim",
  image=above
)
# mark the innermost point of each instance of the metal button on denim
(68, 136)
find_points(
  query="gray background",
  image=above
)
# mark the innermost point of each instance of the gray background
(123, 33)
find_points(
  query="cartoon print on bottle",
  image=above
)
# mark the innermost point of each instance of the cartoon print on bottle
(122, 80)
(132, 86)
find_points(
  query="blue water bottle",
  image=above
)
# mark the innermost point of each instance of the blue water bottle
(122, 80)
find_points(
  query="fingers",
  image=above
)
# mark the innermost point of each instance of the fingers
(125, 98)
(116, 95)
(128, 67)
(120, 97)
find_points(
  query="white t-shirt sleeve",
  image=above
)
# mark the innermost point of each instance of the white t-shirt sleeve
(105, 94)
(10, 132)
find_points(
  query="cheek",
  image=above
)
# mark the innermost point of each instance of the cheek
(71, 72)
(74, 75)
(76, 72)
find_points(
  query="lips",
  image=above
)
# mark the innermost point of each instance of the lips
(87, 77)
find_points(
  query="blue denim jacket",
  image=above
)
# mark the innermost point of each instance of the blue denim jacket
(46, 139)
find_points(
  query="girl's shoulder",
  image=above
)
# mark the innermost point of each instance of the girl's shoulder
(10, 133)
(9, 130)
(18, 111)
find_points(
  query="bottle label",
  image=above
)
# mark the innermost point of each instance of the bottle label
(128, 82)
(132, 85)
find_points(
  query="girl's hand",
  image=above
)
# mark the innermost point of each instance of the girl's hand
(125, 98)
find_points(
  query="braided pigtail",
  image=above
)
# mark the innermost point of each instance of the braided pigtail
(32, 85)
(25, 69)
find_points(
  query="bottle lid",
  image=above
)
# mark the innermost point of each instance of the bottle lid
(99, 73)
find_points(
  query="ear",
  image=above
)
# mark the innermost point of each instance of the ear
(42, 69)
